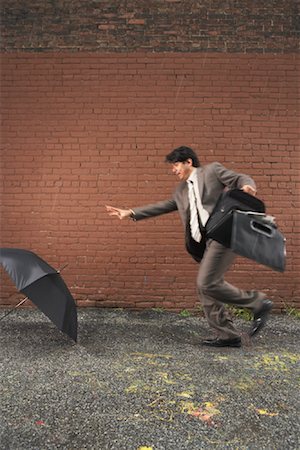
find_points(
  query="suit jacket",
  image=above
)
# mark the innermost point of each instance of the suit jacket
(212, 179)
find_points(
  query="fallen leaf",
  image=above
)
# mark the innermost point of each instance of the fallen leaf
(132, 389)
(188, 407)
(40, 422)
(265, 412)
(204, 413)
(151, 355)
(203, 416)
(209, 405)
(165, 377)
(185, 394)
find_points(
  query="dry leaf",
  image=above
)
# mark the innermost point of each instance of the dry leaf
(265, 412)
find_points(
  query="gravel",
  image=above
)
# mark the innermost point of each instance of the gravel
(142, 379)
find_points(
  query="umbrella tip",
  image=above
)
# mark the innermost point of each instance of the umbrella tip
(62, 268)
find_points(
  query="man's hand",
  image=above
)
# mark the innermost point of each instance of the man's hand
(121, 213)
(249, 189)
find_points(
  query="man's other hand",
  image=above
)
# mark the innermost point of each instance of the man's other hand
(249, 189)
(121, 213)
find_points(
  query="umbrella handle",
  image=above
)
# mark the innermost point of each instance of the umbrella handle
(19, 304)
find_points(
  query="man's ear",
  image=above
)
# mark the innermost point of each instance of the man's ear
(189, 161)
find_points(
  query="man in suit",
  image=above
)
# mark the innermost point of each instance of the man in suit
(195, 198)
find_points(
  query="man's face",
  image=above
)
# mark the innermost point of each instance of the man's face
(182, 169)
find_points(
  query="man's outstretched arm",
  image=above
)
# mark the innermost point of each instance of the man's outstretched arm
(143, 212)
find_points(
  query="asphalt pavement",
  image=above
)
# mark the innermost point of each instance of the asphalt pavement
(141, 380)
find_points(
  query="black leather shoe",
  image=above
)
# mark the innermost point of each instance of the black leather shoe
(261, 317)
(235, 342)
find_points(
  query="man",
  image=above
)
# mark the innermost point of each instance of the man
(195, 199)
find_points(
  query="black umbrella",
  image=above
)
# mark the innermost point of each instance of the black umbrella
(43, 285)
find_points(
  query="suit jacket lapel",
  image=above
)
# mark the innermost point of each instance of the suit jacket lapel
(200, 181)
(186, 202)
(183, 194)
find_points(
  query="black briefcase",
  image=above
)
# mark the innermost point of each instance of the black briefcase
(219, 224)
(256, 237)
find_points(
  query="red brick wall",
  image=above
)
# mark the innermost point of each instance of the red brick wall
(80, 130)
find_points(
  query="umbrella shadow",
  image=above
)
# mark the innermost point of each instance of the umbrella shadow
(25, 336)
(100, 332)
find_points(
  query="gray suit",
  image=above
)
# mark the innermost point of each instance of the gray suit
(213, 290)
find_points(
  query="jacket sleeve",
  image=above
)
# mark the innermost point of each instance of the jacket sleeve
(155, 209)
(232, 179)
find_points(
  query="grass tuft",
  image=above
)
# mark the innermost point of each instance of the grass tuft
(185, 313)
(292, 311)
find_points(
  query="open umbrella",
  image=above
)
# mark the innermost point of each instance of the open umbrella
(43, 285)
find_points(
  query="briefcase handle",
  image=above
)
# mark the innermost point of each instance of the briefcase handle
(262, 228)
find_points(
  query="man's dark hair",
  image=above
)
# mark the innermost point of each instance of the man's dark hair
(181, 154)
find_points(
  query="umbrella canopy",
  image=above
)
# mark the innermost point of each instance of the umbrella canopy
(43, 285)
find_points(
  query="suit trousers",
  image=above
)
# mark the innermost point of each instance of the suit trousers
(214, 291)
